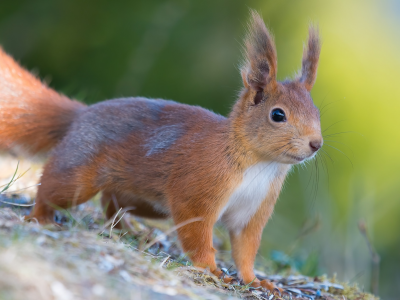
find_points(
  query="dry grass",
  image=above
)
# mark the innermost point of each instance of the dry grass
(37, 263)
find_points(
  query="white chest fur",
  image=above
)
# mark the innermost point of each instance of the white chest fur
(248, 195)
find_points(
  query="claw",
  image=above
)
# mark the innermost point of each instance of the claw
(256, 284)
(271, 286)
(227, 279)
(221, 275)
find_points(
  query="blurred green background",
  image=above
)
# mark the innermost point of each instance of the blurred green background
(189, 51)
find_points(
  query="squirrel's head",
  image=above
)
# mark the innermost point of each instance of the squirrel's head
(277, 120)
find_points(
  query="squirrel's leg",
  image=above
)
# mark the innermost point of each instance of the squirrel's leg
(109, 206)
(61, 190)
(195, 235)
(245, 244)
(196, 240)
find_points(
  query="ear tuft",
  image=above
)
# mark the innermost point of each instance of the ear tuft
(260, 65)
(310, 59)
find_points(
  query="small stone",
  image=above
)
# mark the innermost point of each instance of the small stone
(98, 290)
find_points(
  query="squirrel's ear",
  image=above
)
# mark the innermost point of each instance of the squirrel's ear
(310, 59)
(260, 64)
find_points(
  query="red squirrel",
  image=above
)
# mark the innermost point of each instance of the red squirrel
(167, 159)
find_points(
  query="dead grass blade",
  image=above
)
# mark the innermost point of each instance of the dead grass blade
(112, 221)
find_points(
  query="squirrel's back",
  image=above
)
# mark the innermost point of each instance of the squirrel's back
(150, 127)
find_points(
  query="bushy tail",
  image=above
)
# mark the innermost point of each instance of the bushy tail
(33, 117)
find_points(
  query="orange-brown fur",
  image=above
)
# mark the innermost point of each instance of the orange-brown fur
(23, 95)
(166, 159)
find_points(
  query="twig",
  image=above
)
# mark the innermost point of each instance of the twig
(14, 178)
(17, 204)
(164, 261)
(121, 236)
(111, 221)
(6, 186)
(113, 224)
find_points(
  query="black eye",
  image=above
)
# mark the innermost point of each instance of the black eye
(278, 115)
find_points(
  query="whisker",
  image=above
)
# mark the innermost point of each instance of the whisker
(327, 154)
(322, 103)
(328, 104)
(332, 141)
(316, 181)
(313, 185)
(333, 134)
(324, 163)
(287, 150)
(342, 153)
(311, 176)
(333, 125)
(276, 150)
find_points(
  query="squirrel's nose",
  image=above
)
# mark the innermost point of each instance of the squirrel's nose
(315, 145)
